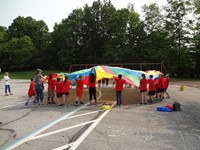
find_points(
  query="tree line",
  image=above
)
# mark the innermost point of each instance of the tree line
(102, 34)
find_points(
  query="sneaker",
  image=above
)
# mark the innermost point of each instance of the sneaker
(168, 97)
(53, 102)
(26, 103)
(150, 101)
(81, 103)
(34, 102)
(76, 103)
(6, 94)
(11, 93)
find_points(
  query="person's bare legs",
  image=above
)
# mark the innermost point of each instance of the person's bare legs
(63, 99)
(142, 97)
(145, 97)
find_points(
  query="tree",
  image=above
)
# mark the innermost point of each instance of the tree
(178, 36)
(18, 53)
(36, 30)
(155, 36)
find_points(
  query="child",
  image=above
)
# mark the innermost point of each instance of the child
(7, 83)
(152, 89)
(160, 85)
(92, 85)
(119, 88)
(31, 92)
(51, 89)
(79, 90)
(59, 91)
(107, 80)
(156, 86)
(65, 90)
(143, 89)
(166, 85)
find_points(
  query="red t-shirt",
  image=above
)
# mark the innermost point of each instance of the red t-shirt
(151, 84)
(79, 84)
(51, 84)
(58, 87)
(65, 86)
(166, 83)
(143, 84)
(119, 84)
(160, 83)
(156, 83)
(31, 90)
(92, 84)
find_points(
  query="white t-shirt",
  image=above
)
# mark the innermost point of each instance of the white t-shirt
(6, 80)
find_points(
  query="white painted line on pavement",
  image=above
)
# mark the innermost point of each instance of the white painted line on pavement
(8, 106)
(74, 145)
(25, 138)
(64, 147)
(83, 114)
(60, 130)
(87, 132)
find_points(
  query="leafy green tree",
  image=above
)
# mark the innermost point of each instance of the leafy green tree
(36, 30)
(178, 36)
(3, 44)
(18, 53)
(155, 36)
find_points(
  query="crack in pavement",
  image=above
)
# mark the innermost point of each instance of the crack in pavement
(11, 132)
(82, 130)
(3, 124)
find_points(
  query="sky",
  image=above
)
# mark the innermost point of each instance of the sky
(53, 11)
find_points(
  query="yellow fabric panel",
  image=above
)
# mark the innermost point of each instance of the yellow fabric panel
(101, 75)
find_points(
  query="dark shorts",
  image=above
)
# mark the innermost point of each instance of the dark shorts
(143, 91)
(65, 93)
(59, 95)
(152, 93)
(159, 90)
(164, 90)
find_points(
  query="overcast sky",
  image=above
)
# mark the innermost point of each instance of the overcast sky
(52, 11)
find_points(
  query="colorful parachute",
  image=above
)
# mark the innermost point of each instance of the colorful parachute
(155, 73)
(132, 77)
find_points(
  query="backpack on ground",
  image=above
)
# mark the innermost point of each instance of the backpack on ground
(177, 106)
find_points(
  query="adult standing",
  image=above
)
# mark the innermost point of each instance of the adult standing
(119, 88)
(92, 85)
(39, 87)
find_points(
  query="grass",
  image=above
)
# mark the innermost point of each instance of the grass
(27, 74)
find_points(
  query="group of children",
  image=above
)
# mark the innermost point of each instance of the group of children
(157, 88)
(59, 86)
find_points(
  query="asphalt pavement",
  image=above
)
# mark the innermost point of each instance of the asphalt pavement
(131, 127)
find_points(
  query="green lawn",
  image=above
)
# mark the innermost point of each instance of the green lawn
(28, 74)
